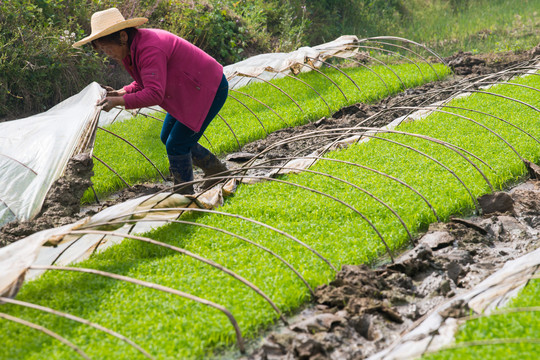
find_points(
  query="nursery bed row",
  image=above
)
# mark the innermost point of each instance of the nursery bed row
(250, 113)
(171, 328)
(512, 333)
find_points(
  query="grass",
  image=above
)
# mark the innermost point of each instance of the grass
(505, 25)
(524, 325)
(144, 132)
(174, 328)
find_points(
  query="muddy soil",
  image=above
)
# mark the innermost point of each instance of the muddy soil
(465, 63)
(61, 206)
(365, 309)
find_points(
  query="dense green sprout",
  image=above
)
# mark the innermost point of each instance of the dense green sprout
(519, 325)
(144, 132)
(173, 328)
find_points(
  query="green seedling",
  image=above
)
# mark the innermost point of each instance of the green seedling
(513, 333)
(173, 328)
(144, 132)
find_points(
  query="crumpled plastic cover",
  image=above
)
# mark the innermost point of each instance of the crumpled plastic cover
(34, 152)
(132, 216)
(436, 332)
(276, 65)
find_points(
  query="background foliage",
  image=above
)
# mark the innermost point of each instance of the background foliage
(38, 67)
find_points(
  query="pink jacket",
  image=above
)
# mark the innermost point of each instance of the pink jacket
(172, 73)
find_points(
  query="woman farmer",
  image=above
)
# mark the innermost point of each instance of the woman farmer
(170, 72)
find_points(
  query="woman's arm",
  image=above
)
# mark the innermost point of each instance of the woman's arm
(152, 62)
(110, 102)
(133, 87)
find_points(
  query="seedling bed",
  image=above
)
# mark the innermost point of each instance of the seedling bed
(365, 310)
(250, 113)
(152, 258)
(336, 231)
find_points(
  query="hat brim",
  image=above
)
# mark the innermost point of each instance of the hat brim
(112, 29)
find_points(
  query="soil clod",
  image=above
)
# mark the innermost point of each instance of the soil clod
(497, 202)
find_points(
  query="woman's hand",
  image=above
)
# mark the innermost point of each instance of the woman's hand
(108, 88)
(120, 92)
(110, 102)
(112, 92)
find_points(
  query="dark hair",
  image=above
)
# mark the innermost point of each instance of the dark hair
(114, 38)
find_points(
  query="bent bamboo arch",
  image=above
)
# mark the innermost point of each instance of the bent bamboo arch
(79, 320)
(193, 256)
(239, 339)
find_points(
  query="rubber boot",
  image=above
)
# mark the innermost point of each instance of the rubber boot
(209, 164)
(181, 168)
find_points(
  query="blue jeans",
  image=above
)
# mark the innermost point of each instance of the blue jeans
(178, 138)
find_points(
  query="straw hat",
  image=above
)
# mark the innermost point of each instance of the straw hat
(107, 22)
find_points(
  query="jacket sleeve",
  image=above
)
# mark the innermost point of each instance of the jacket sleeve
(152, 64)
(133, 87)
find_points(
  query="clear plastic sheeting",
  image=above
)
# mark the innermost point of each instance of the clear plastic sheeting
(16, 258)
(34, 151)
(276, 65)
(133, 216)
(75, 248)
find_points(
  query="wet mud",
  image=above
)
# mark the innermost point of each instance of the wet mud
(466, 63)
(365, 309)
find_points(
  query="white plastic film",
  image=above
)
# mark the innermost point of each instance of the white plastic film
(276, 65)
(34, 152)
(16, 258)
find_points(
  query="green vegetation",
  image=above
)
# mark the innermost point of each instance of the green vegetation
(32, 81)
(479, 26)
(517, 325)
(144, 132)
(39, 68)
(446, 26)
(173, 328)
